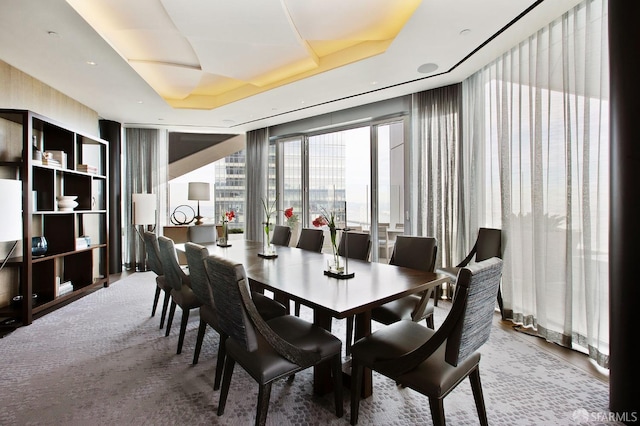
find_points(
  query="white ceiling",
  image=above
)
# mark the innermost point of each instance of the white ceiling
(435, 33)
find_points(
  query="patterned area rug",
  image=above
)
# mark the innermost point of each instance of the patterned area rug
(102, 360)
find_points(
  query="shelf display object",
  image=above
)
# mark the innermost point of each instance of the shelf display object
(64, 212)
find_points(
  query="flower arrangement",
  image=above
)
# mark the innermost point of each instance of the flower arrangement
(329, 219)
(228, 216)
(291, 217)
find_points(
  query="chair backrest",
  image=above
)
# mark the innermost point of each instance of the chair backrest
(488, 244)
(480, 282)
(415, 252)
(358, 244)
(281, 235)
(196, 254)
(153, 252)
(311, 239)
(172, 272)
(225, 277)
(203, 234)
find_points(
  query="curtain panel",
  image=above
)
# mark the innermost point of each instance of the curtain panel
(442, 181)
(537, 150)
(145, 164)
(257, 155)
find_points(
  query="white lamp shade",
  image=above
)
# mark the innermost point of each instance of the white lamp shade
(11, 210)
(199, 191)
(143, 209)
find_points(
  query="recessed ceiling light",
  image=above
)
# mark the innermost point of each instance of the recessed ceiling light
(93, 64)
(465, 32)
(53, 34)
(373, 83)
(140, 102)
(427, 68)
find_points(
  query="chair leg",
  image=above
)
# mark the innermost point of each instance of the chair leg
(155, 301)
(429, 321)
(222, 354)
(264, 393)
(172, 311)
(202, 328)
(165, 305)
(476, 388)
(437, 411)
(183, 329)
(336, 364)
(229, 363)
(437, 294)
(349, 337)
(500, 305)
(356, 389)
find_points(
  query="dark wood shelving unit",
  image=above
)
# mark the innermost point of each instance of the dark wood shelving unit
(68, 258)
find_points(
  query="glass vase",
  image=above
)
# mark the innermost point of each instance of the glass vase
(225, 233)
(267, 247)
(335, 266)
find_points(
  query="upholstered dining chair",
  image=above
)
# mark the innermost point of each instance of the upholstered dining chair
(432, 362)
(266, 350)
(267, 308)
(281, 235)
(154, 263)
(357, 245)
(312, 240)
(181, 293)
(415, 253)
(487, 245)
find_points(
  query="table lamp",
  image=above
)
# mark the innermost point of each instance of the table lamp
(199, 191)
(11, 214)
(143, 213)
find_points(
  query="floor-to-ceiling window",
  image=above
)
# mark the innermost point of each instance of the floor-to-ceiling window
(328, 171)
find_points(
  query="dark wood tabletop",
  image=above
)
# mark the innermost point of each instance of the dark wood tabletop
(298, 275)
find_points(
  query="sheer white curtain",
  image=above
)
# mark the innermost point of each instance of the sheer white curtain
(145, 168)
(536, 135)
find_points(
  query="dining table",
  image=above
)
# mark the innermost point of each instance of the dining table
(299, 275)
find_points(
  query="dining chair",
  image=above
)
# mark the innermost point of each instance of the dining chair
(410, 252)
(383, 238)
(266, 350)
(432, 362)
(196, 254)
(267, 308)
(356, 244)
(312, 240)
(202, 234)
(488, 244)
(181, 293)
(281, 235)
(154, 263)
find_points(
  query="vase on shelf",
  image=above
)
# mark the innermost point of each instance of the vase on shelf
(67, 202)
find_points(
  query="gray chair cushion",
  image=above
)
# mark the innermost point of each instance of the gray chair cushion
(399, 310)
(185, 298)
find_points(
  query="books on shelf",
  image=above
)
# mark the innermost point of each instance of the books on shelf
(65, 288)
(51, 162)
(59, 156)
(83, 242)
(87, 168)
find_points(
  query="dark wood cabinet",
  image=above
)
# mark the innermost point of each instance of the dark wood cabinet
(76, 231)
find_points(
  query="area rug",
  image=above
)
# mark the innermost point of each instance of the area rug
(103, 360)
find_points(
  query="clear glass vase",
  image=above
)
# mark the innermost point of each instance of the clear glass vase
(225, 233)
(267, 247)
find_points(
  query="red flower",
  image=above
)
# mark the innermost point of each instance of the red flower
(288, 212)
(320, 221)
(230, 215)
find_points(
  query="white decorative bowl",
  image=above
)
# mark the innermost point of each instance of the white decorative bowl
(67, 202)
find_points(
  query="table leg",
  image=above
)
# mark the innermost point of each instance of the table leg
(362, 328)
(322, 383)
